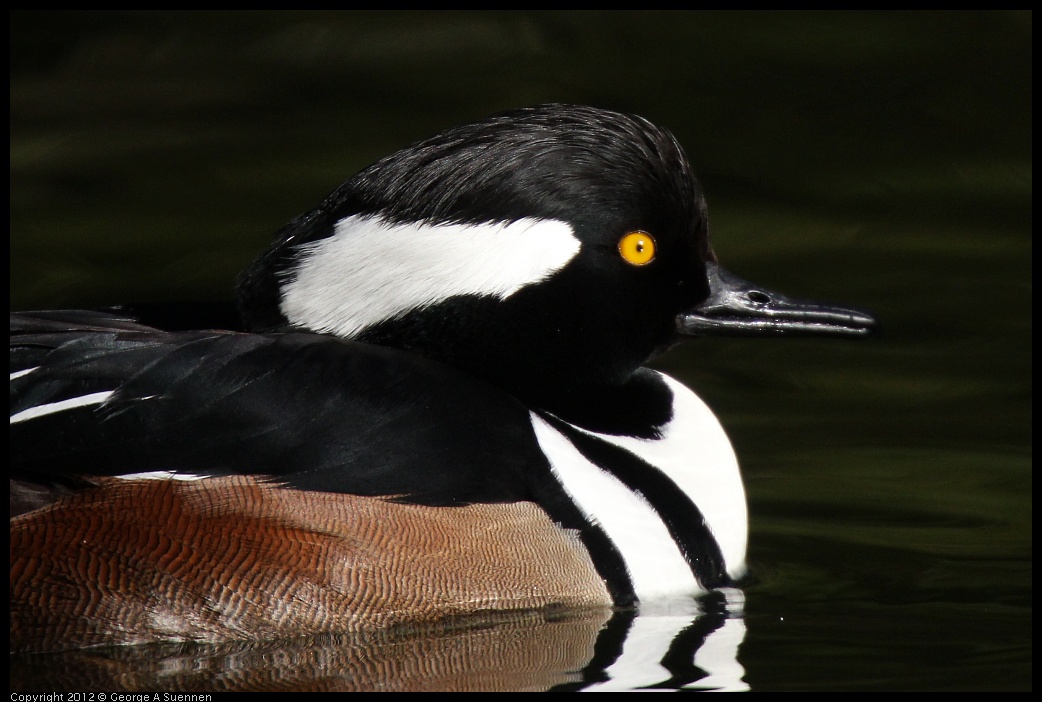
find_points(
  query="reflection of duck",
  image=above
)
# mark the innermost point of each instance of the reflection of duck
(692, 644)
(438, 407)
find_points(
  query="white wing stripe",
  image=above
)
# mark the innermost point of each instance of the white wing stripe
(162, 475)
(94, 398)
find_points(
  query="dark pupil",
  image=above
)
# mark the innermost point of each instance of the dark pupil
(640, 247)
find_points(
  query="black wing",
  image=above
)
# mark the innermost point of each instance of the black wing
(96, 394)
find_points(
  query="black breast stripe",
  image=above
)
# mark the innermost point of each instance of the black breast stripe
(681, 516)
(605, 556)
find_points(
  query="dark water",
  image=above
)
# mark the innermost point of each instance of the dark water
(879, 160)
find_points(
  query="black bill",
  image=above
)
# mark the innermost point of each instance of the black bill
(736, 307)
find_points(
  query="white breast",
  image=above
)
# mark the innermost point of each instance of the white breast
(696, 455)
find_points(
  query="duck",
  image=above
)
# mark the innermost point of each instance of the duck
(436, 404)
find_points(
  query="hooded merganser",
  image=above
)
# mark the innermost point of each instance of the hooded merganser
(436, 405)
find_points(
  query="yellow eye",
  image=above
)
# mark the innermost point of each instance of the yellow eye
(637, 248)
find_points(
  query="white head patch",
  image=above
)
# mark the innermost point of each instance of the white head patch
(369, 271)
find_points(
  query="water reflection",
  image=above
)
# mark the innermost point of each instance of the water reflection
(684, 645)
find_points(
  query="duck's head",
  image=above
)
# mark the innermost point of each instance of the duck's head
(548, 247)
